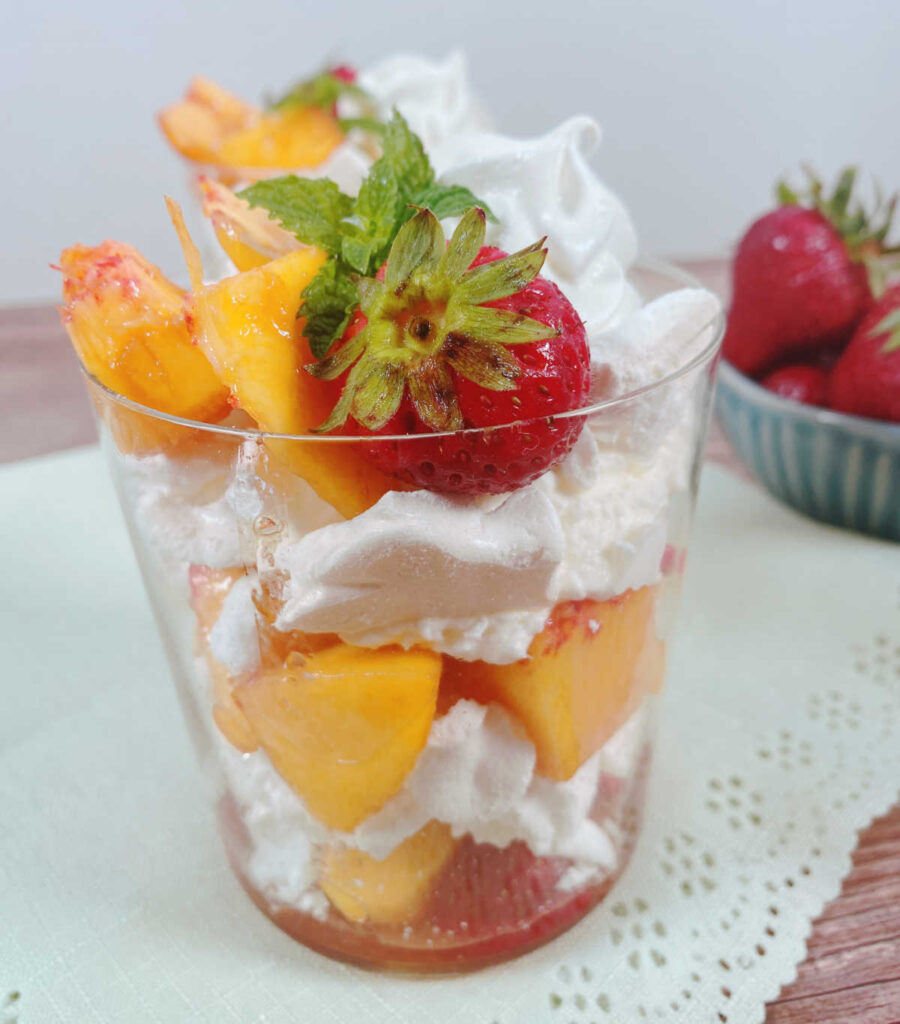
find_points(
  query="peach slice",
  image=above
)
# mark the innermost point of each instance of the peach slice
(209, 588)
(248, 326)
(126, 321)
(212, 126)
(389, 891)
(345, 725)
(248, 235)
(585, 673)
(291, 139)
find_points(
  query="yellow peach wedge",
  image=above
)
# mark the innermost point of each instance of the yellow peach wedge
(248, 327)
(344, 726)
(585, 673)
(389, 891)
(127, 323)
(211, 126)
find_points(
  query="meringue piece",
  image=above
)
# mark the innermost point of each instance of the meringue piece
(234, 640)
(476, 774)
(647, 346)
(613, 514)
(433, 96)
(546, 187)
(416, 555)
(653, 341)
(196, 510)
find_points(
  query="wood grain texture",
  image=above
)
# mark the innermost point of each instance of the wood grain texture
(852, 973)
(43, 402)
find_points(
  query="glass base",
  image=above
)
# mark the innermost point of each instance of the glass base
(519, 906)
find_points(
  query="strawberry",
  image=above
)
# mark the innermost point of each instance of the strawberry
(801, 382)
(454, 337)
(801, 277)
(866, 379)
(344, 73)
(486, 890)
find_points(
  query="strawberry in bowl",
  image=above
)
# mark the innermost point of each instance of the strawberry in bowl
(809, 388)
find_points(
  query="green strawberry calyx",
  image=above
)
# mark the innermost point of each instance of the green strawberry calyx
(864, 231)
(890, 325)
(425, 319)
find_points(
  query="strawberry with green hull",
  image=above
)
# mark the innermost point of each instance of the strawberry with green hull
(802, 276)
(461, 337)
(429, 338)
(866, 379)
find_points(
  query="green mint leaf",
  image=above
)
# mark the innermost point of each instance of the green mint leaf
(364, 124)
(403, 151)
(322, 90)
(370, 228)
(450, 201)
(310, 208)
(329, 300)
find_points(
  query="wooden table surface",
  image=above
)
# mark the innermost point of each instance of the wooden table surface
(852, 972)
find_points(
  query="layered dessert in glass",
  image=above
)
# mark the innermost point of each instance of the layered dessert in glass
(411, 491)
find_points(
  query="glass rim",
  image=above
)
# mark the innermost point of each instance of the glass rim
(651, 264)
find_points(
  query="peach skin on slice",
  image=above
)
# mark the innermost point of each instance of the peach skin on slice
(126, 321)
(584, 675)
(389, 891)
(209, 588)
(345, 725)
(247, 234)
(248, 326)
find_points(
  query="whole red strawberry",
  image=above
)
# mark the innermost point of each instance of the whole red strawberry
(865, 381)
(461, 337)
(800, 280)
(801, 382)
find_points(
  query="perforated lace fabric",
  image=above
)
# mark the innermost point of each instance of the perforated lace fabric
(779, 739)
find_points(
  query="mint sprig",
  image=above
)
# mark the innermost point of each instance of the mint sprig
(357, 233)
(322, 90)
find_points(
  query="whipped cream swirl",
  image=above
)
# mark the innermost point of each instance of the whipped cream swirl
(546, 186)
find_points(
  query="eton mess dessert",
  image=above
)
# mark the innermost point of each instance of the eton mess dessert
(410, 491)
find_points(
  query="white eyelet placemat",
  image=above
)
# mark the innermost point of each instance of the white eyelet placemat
(781, 738)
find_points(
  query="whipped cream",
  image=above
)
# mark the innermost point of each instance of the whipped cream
(476, 774)
(546, 186)
(434, 96)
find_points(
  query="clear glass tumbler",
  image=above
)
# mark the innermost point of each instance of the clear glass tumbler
(428, 725)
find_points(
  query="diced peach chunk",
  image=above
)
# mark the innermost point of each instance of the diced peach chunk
(389, 891)
(248, 326)
(344, 726)
(127, 323)
(580, 681)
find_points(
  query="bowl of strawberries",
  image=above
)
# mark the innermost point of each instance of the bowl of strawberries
(809, 384)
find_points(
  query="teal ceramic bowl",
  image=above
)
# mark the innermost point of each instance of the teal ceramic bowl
(841, 469)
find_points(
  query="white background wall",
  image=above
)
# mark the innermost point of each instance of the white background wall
(704, 102)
